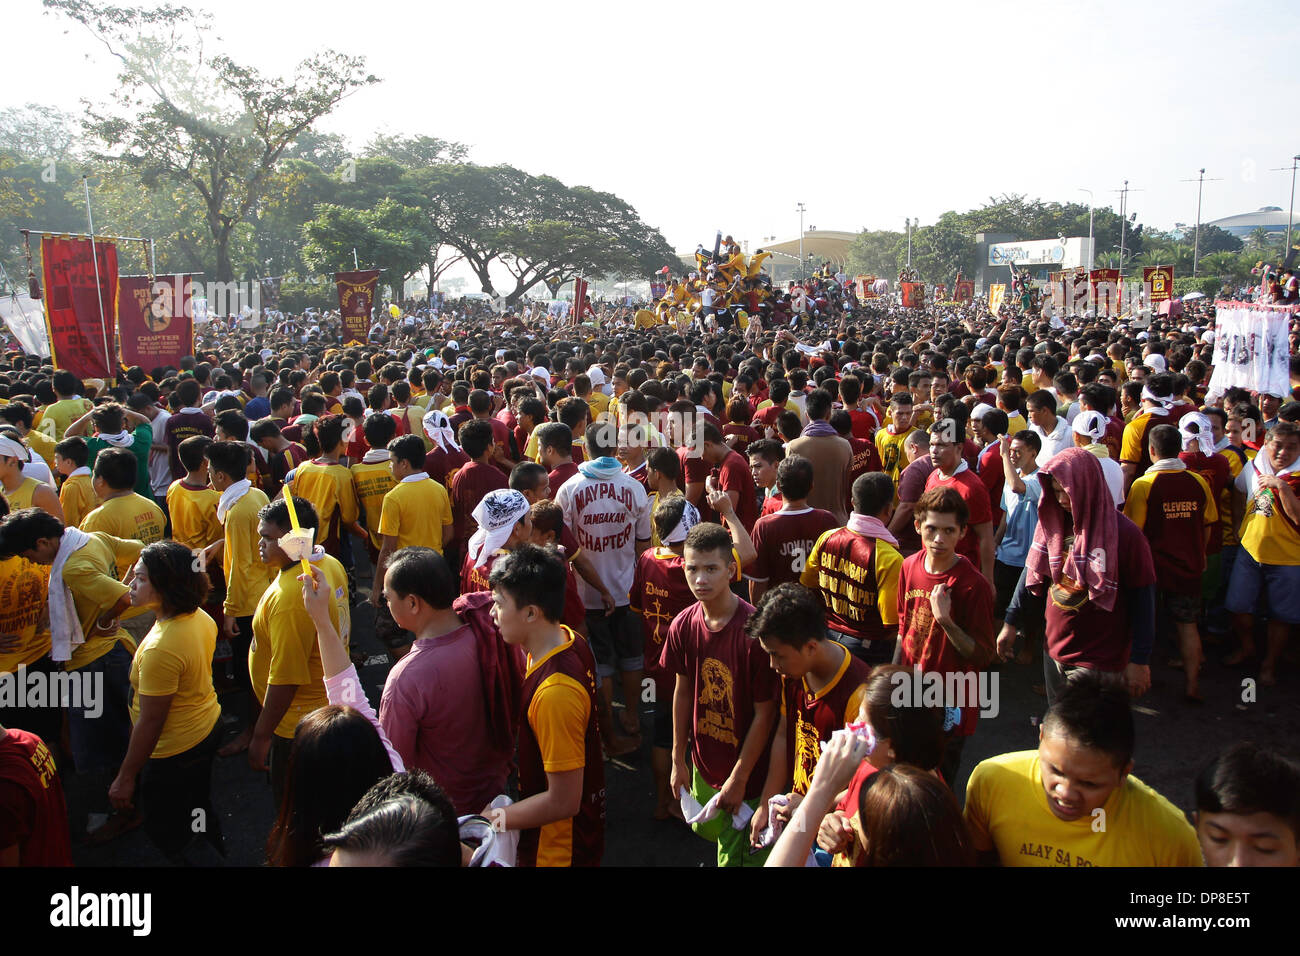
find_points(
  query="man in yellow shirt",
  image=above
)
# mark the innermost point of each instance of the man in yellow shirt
(24, 587)
(416, 513)
(246, 576)
(1074, 801)
(284, 660)
(69, 407)
(21, 416)
(327, 484)
(890, 439)
(77, 496)
(191, 501)
(372, 477)
(86, 566)
(19, 490)
(124, 514)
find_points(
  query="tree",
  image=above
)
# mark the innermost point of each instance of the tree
(418, 151)
(35, 132)
(876, 253)
(941, 250)
(390, 236)
(211, 124)
(1262, 242)
(1214, 239)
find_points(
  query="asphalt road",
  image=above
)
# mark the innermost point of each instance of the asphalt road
(1174, 740)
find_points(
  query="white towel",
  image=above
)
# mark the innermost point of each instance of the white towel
(232, 495)
(65, 628)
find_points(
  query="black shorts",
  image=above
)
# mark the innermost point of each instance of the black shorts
(616, 641)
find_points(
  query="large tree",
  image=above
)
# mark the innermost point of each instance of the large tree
(202, 121)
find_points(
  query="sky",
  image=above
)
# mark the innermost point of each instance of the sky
(726, 116)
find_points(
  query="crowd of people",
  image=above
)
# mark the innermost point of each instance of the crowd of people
(803, 541)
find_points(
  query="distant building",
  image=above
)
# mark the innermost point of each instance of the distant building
(1268, 218)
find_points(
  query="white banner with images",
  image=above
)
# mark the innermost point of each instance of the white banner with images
(1251, 348)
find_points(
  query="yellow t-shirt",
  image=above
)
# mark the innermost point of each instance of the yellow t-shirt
(371, 482)
(415, 511)
(77, 498)
(175, 659)
(599, 403)
(21, 497)
(892, 456)
(129, 516)
(1235, 463)
(246, 576)
(42, 444)
(284, 648)
(1266, 533)
(329, 488)
(1006, 809)
(194, 514)
(91, 573)
(415, 423)
(57, 416)
(24, 587)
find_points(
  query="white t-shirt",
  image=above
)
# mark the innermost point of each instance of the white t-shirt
(160, 471)
(607, 516)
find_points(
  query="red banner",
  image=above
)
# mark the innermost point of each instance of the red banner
(579, 299)
(1160, 280)
(156, 322)
(1105, 291)
(356, 296)
(913, 295)
(964, 291)
(81, 317)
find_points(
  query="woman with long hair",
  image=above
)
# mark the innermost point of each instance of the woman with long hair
(174, 711)
(339, 751)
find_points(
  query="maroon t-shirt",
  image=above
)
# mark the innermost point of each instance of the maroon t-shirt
(976, 496)
(866, 459)
(925, 644)
(443, 465)
(697, 471)
(1215, 470)
(734, 475)
(179, 427)
(993, 477)
(744, 435)
(1077, 631)
(560, 475)
(471, 483)
(729, 673)
(659, 593)
(1175, 529)
(864, 424)
(783, 541)
(911, 485)
(33, 813)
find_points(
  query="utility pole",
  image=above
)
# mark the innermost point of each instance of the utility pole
(1295, 160)
(1123, 221)
(1196, 244)
(909, 242)
(1091, 254)
(801, 209)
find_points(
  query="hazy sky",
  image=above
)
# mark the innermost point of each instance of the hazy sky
(708, 116)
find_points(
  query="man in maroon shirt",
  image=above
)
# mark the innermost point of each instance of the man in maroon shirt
(555, 453)
(951, 471)
(33, 814)
(990, 427)
(475, 479)
(733, 475)
(945, 614)
(911, 485)
(784, 540)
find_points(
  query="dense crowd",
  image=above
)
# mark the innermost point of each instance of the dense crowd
(801, 527)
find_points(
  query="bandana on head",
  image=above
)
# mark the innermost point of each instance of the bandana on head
(1091, 425)
(13, 449)
(497, 514)
(1164, 403)
(1196, 428)
(438, 427)
(690, 518)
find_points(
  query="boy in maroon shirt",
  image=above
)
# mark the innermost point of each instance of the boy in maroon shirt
(475, 479)
(724, 703)
(945, 614)
(555, 453)
(951, 471)
(733, 475)
(784, 539)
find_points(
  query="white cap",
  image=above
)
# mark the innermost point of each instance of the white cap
(597, 376)
(980, 410)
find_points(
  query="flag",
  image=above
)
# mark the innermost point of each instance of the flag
(964, 290)
(356, 296)
(80, 316)
(997, 293)
(1251, 348)
(156, 321)
(580, 304)
(1159, 280)
(1104, 284)
(913, 295)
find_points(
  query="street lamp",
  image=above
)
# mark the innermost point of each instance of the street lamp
(909, 242)
(801, 208)
(1291, 208)
(1091, 252)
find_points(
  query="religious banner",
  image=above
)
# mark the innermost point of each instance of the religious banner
(270, 289)
(80, 315)
(155, 321)
(941, 292)
(913, 295)
(1159, 282)
(1252, 348)
(580, 304)
(997, 293)
(658, 289)
(865, 287)
(964, 290)
(356, 296)
(1104, 285)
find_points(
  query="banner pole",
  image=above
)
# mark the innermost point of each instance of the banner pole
(99, 291)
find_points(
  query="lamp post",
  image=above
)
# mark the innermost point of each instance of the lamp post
(1123, 211)
(1290, 209)
(1091, 252)
(801, 208)
(909, 242)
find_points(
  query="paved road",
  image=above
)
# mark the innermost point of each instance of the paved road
(1174, 740)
